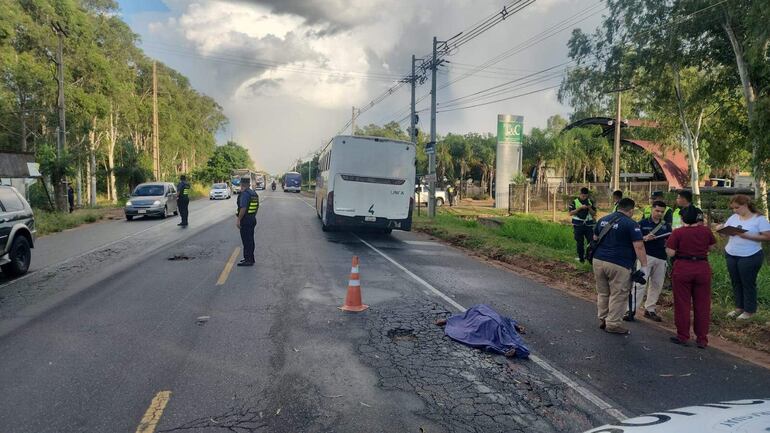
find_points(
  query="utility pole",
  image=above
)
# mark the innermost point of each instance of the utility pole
(155, 142)
(432, 153)
(61, 137)
(616, 153)
(353, 121)
(412, 131)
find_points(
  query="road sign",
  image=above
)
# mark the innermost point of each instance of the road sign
(429, 177)
(430, 148)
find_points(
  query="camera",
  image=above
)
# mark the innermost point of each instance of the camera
(638, 277)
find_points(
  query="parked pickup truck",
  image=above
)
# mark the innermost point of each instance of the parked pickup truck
(421, 196)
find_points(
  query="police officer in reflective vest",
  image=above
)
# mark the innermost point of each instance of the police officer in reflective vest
(183, 199)
(617, 195)
(248, 204)
(647, 211)
(684, 201)
(583, 213)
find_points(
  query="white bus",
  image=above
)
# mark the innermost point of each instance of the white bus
(366, 182)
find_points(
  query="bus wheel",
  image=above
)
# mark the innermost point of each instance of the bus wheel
(387, 231)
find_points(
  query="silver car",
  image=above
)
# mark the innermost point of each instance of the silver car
(154, 198)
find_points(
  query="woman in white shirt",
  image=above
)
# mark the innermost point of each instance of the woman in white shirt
(743, 254)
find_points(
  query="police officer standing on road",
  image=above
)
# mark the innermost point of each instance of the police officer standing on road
(619, 247)
(248, 204)
(183, 199)
(583, 213)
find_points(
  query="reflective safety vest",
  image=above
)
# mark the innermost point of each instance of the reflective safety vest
(588, 217)
(615, 208)
(676, 220)
(253, 203)
(184, 192)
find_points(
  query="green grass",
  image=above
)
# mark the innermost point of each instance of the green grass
(48, 222)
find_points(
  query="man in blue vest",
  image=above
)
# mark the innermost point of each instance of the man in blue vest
(583, 212)
(248, 205)
(618, 249)
(183, 199)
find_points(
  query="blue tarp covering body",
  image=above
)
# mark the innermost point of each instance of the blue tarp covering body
(481, 327)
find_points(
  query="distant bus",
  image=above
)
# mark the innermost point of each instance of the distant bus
(236, 175)
(260, 182)
(292, 182)
(366, 182)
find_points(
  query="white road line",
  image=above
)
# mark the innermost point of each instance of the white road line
(430, 243)
(308, 204)
(545, 365)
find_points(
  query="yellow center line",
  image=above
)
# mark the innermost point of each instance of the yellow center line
(154, 412)
(228, 267)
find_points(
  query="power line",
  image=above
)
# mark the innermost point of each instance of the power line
(500, 100)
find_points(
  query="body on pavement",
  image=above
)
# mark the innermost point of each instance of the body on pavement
(183, 199)
(743, 254)
(689, 245)
(619, 246)
(583, 213)
(655, 231)
(248, 205)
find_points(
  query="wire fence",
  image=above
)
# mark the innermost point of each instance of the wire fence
(528, 198)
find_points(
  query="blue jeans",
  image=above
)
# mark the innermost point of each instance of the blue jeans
(743, 275)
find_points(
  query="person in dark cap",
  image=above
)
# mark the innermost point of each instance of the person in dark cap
(183, 199)
(647, 211)
(583, 213)
(248, 205)
(689, 245)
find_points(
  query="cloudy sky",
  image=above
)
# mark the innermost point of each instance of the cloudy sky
(287, 72)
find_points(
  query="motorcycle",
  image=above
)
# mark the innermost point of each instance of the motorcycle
(272, 186)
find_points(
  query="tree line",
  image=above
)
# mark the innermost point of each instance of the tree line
(108, 82)
(698, 69)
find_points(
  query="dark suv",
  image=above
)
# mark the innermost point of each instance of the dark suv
(17, 232)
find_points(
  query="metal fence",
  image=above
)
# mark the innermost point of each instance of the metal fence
(537, 198)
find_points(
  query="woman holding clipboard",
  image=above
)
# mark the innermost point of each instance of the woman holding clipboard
(746, 228)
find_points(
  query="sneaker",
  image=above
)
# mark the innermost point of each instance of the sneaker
(734, 314)
(652, 316)
(676, 340)
(628, 317)
(602, 324)
(578, 259)
(245, 264)
(617, 330)
(745, 316)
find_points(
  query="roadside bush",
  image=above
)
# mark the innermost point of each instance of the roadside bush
(52, 222)
(480, 196)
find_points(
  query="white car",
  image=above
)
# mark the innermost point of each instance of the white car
(219, 191)
(422, 193)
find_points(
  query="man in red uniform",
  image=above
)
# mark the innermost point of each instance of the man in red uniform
(689, 245)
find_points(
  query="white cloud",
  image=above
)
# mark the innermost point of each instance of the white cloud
(286, 108)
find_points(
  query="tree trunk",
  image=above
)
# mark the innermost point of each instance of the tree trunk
(750, 95)
(22, 125)
(692, 151)
(92, 144)
(113, 138)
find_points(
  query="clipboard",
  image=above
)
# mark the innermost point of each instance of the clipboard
(731, 231)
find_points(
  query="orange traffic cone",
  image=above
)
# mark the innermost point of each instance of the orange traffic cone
(353, 298)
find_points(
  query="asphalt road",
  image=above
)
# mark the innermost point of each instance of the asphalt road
(142, 328)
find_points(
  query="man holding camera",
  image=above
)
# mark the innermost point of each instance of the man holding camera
(619, 246)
